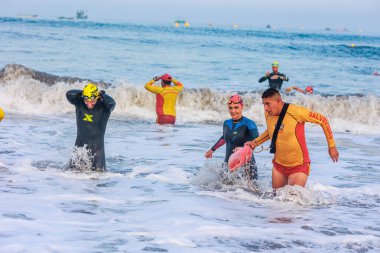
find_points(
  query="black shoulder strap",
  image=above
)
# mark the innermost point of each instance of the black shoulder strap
(278, 125)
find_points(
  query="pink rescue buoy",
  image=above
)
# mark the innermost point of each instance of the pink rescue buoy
(240, 157)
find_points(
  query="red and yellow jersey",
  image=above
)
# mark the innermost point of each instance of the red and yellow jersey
(166, 97)
(291, 149)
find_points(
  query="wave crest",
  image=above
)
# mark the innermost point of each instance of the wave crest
(24, 94)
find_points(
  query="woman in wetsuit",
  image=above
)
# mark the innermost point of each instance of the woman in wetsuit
(236, 131)
(93, 109)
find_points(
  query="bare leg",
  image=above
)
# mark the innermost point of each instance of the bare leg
(298, 179)
(278, 180)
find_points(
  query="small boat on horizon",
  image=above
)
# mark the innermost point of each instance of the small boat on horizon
(81, 14)
(28, 16)
(179, 22)
(65, 18)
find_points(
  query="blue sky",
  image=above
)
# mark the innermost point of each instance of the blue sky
(310, 14)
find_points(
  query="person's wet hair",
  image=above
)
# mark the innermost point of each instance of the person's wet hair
(270, 93)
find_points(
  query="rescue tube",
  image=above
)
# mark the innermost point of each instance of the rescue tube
(240, 157)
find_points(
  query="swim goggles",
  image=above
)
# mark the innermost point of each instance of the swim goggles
(89, 98)
(235, 100)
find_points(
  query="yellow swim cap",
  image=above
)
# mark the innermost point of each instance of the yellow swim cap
(1, 114)
(275, 64)
(90, 91)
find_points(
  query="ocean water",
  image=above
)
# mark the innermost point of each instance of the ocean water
(159, 193)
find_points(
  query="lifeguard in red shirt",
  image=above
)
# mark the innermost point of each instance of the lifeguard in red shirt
(166, 97)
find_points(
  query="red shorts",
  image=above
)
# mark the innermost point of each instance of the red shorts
(289, 170)
(165, 119)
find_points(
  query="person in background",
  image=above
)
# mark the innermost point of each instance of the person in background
(291, 163)
(93, 109)
(275, 78)
(236, 131)
(308, 90)
(166, 97)
(2, 114)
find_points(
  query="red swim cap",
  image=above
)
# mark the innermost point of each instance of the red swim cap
(236, 99)
(309, 89)
(166, 77)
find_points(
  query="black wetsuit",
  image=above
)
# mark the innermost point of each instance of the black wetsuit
(235, 134)
(274, 83)
(91, 124)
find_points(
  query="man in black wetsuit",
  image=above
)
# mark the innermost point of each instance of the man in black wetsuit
(275, 78)
(93, 108)
(236, 131)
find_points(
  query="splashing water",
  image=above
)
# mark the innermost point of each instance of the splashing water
(303, 196)
(81, 159)
(216, 177)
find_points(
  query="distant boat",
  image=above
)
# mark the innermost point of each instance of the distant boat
(181, 22)
(65, 18)
(81, 14)
(28, 16)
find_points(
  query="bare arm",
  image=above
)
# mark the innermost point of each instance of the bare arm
(295, 88)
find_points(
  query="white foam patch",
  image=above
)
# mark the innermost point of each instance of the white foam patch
(303, 196)
(177, 241)
(76, 197)
(140, 170)
(172, 175)
(371, 190)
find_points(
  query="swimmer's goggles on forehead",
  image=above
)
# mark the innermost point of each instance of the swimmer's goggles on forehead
(89, 98)
(235, 100)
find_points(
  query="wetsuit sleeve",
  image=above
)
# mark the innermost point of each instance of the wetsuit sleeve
(178, 85)
(253, 131)
(263, 79)
(285, 77)
(262, 138)
(218, 144)
(150, 87)
(74, 96)
(108, 101)
(317, 118)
